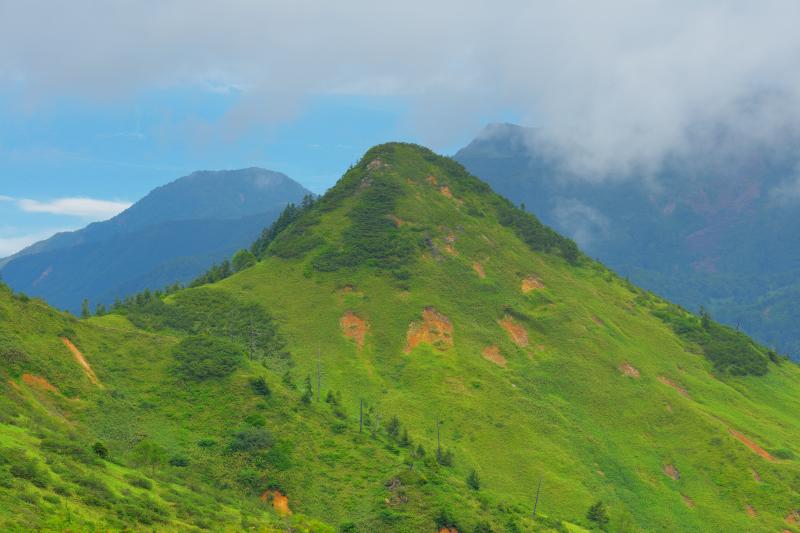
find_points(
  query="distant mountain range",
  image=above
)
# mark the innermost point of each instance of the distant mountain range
(172, 234)
(714, 226)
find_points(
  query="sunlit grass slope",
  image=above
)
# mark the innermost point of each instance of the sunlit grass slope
(455, 318)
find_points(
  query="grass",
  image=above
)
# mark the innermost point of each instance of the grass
(561, 411)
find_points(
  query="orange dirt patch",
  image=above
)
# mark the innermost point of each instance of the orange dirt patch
(687, 500)
(435, 329)
(354, 327)
(750, 511)
(448, 530)
(629, 370)
(431, 179)
(38, 381)
(756, 475)
(492, 353)
(672, 472)
(445, 190)
(597, 321)
(758, 450)
(81, 360)
(531, 283)
(280, 502)
(515, 331)
(13, 385)
(478, 268)
(793, 518)
(670, 383)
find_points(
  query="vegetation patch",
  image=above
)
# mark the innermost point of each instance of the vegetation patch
(201, 357)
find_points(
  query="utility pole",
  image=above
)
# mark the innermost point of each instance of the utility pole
(535, 505)
(319, 373)
(438, 443)
(361, 416)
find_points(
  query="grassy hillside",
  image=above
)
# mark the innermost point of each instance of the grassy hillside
(455, 318)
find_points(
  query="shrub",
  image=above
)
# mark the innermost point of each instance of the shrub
(259, 386)
(206, 443)
(180, 461)
(597, 514)
(249, 439)
(100, 450)
(202, 357)
(473, 481)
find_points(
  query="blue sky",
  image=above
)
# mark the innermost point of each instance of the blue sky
(116, 152)
(102, 101)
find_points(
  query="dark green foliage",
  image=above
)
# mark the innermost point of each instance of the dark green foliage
(393, 427)
(308, 393)
(728, 350)
(138, 481)
(445, 519)
(14, 360)
(348, 527)
(251, 439)
(372, 238)
(243, 259)
(85, 312)
(73, 449)
(141, 508)
(213, 274)
(473, 481)
(259, 386)
(597, 514)
(180, 461)
(100, 450)
(482, 527)
(783, 453)
(207, 311)
(535, 234)
(445, 458)
(206, 443)
(289, 215)
(202, 357)
(24, 467)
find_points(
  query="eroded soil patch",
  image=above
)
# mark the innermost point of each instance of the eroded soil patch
(478, 268)
(531, 283)
(280, 502)
(354, 327)
(758, 450)
(672, 472)
(517, 333)
(81, 360)
(492, 353)
(670, 383)
(435, 329)
(629, 370)
(38, 382)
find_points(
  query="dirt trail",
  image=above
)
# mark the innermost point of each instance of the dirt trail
(670, 383)
(38, 381)
(478, 268)
(492, 353)
(435, 329)
(515, 331)
(758, 450)
(87, 369)
(687, 500)
(354, 327)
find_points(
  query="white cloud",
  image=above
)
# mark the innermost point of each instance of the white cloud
(79, 207)
(6, 198)
(617, 84)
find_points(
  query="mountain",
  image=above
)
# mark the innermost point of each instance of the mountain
(171, 235)
(713, 226)
(410, 353)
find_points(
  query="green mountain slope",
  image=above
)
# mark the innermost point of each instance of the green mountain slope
(455, 318)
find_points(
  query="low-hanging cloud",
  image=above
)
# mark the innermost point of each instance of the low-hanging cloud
(617, 85)
(89, 208)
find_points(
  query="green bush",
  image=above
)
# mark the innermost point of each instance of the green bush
(259, 386)
(202, 357)
(250, 439)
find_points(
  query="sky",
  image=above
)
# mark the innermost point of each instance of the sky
(102, 101)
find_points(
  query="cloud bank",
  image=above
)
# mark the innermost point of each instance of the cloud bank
(617, 85)
(78, 207)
